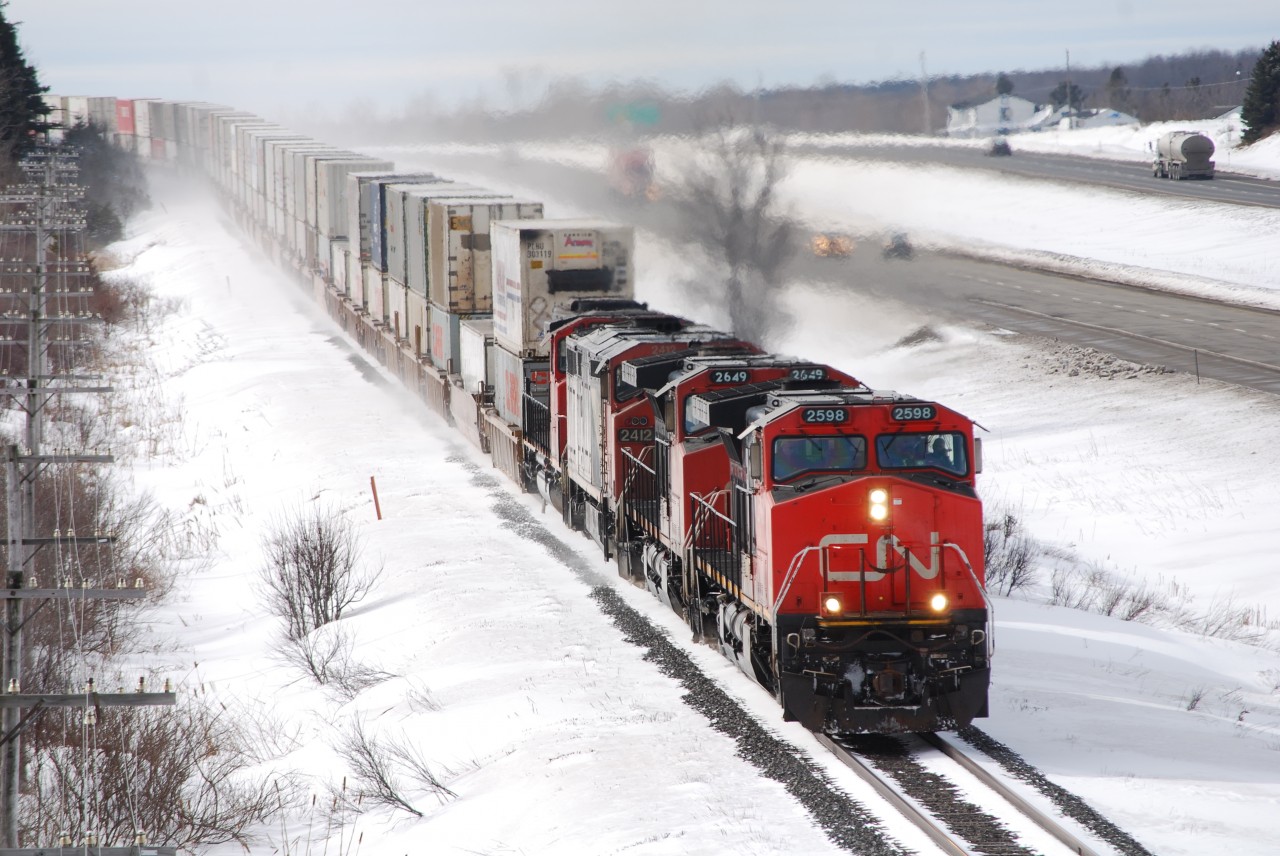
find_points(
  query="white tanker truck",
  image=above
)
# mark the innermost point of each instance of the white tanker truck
(1183, 154)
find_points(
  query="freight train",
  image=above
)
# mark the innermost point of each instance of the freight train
(826, 536)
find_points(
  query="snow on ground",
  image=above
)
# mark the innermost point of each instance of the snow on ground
(549, 727)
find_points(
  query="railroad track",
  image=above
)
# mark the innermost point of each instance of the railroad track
(930, 780)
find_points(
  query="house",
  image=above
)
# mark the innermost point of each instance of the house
(1002, 114)
(1060, 118)
(1009, 114)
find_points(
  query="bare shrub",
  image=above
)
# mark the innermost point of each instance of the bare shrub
(174, 775)
(326, 654)
(313, 569)
(1225, 619)
(378, 767)
(1010, 554)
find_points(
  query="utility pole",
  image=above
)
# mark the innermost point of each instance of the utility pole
(1071, 118)
(45, 292)
(924, 96)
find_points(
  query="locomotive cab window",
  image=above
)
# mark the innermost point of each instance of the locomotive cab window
(946, 452)
(621, 389)
(798, 456)
(691, 424)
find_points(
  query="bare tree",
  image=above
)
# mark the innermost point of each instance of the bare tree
(313, 569)
(730, 199)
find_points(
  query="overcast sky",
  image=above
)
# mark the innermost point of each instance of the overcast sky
(269, 56)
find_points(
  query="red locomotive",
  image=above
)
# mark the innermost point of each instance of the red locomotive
(826, 536)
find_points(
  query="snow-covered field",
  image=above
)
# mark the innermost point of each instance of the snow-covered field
(552, 732)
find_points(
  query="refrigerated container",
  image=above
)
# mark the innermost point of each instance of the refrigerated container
(541, 266)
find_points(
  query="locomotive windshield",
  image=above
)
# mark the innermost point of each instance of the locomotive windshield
(946, 452)
(797, 456)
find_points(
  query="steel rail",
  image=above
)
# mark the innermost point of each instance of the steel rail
(1035, 815)
(921, 819)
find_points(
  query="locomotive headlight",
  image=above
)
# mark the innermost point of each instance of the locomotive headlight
(879, 504)
(938, 602)
(832, 604)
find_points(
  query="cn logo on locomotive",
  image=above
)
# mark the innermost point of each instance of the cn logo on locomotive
(886, 545)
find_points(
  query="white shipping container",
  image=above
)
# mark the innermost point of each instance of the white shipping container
(282, 154)
(374, 289)
(75, 110)
(417, 264)
(306, 198)
(459, 267)
(475, 343)
(403, 209)
(102, 112)
(446, 346)
(295, 193)
(415, 324)
(357, 211)
(313, 182)
(142, 118)
(338, 264)
(541, 266)
(373, 205)
(331, 192)
(513, 374)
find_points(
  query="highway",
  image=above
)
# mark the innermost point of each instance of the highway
(1231, 343)
(1122, 175)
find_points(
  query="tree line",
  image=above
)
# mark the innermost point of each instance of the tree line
(1193, 85)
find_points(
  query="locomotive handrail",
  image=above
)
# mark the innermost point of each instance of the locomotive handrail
(637, 497)
(626, 453)
(982, 589)
(705, 512)
(792, 570)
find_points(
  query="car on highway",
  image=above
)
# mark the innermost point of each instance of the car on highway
(999, 148)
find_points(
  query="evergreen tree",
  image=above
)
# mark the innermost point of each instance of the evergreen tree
(1004, 86)
(115, 186)
(1261, 109)
(22, 110)
(1065, 92)
(1118, 89)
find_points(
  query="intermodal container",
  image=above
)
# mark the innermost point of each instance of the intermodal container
(541, 266)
